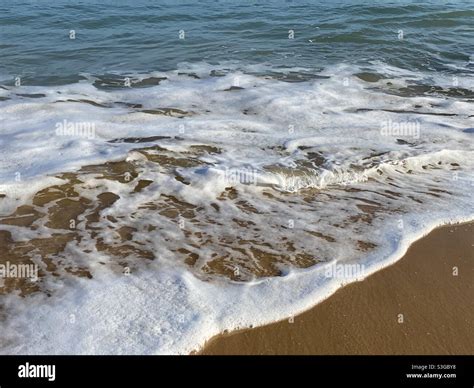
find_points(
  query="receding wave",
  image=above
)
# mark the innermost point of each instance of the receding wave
(212, 187)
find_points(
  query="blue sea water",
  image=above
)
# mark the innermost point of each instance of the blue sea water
(145, 35)
(257, 139)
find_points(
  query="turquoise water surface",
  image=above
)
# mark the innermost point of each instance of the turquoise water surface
(144, 35)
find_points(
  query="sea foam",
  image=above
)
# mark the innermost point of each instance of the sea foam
(327, 180)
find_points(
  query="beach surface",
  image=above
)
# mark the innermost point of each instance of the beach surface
(420, 305)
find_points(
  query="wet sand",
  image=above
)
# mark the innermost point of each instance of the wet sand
(419, 305)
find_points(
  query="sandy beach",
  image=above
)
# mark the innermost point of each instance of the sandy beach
(420, 305)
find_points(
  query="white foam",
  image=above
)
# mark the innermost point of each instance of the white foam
(163, 310)
(272, 128)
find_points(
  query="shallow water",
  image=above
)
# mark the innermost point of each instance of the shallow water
(168, 189)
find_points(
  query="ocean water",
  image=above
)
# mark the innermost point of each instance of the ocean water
(177, 169)
(144, 35)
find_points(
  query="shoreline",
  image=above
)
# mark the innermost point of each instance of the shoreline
(416, 305)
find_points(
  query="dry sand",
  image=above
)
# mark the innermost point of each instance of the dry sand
(437, 309)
